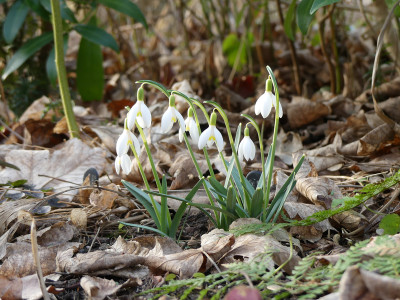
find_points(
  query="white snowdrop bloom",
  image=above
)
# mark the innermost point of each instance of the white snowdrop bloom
(125, 140)
(247, 149)
(211, 135)
(171, 116)
(266, 101)
(139, 112)
(123, 162)
(191, 126)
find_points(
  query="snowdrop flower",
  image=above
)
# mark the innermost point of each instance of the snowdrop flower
(123, 161)
(139, 112)
(266, 101)
(211, 135)
(247, 149)
(191, 126)
(171, 116)
(125, 140)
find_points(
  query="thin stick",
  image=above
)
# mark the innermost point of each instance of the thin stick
(36, 260)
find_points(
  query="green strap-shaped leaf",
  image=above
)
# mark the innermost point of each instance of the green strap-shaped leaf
(26, 51)
(289, 20)
(126, 7)
(89, 71)
(14, 20)
(36, 7)
(97, 35)
(304, 17)
(321, 3)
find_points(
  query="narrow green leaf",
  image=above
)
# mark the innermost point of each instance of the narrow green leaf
(89, 71)
(97, 35)
(164, 207)
(126, 7)
(321, 3)
(144, 199)
(146, 228)
(182, 208)
(39, 9)
(289, 20)
(257, 203)
(26, 51)
(66, 13)
(6, 164)
(304, 17)
(46, 4)
(14, 20)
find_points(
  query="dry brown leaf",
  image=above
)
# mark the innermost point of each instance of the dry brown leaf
(184, 171)
(320, 190)
(376, 140)
(98, 288)
(287, 144)
(302, 111)
(146, 246)
(56, 234)
(19, 260)
(108, 135)
(103, 198)
(36, 109)
(357, 284)
(68, 163)
(27, 288)
(350, 220)
(96, 263)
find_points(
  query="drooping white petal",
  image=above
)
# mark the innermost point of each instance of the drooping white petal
(122, 146)
(219, 141)
(259, 104)
(193, 130)
(203, 139)
(117, 164)
(248, 148)
(267, 104)
(132, 114)
(146, 117)
(240, 151)
(135, 142)
(181, 120)
(180, 135)
(125, 163)
(280, 110)
(167, 120)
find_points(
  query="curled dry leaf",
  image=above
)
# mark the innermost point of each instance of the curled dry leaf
(357, 283)
(98, 288)
(103, 198)
(19, 260)
(302, 111)
(27, 288)
(287, 144)
(321, 191)
(377, 139)
(184, 171)
(68, 163)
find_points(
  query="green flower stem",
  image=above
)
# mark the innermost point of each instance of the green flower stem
(153, 166)
(200, 176)
(146, 183)
(273, 146)
(260, 140)
(232, 143)
(73, 127)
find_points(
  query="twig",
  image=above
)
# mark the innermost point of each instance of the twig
(212, 261)
(36, 260)
(293, 55)
(380, 41)
(321, 27)
(15, 133)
